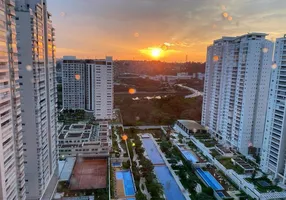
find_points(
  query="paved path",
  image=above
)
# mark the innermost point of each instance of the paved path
(145, 191)
(144, 127)
(119, 144)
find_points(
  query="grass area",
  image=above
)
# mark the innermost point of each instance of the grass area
(112, 184)
(264, 189)
(215, 153)
(208, 142)
(227, 163)
(100, 194)
(115, 147)
(74, 116)
(163, 111)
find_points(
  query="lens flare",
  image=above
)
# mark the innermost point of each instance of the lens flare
(215, 58)
(77, 77)
(124, 137)
(132, 91)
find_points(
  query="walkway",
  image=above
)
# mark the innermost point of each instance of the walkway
(118, 140)
(143, 127)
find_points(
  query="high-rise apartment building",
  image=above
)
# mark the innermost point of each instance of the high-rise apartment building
(236, 89)
(12, 178)
(273, 154)
(35, 36)
(88, 85)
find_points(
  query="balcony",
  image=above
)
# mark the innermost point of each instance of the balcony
(11, 12)
(10, 3)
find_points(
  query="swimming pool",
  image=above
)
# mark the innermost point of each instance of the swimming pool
(116, 164)
(152, 151)
(209, 179)
(171, 189)
(127, 182)
(189, 156)
(220, 194)
(164, 176)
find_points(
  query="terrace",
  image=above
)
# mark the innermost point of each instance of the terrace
(244, 165)
(224, 151)
(228, 164)
(264, 185)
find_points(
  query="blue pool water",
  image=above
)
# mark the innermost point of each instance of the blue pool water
(152, 151)
(220, 194)
(171, 189)
(189, 156)
(127, 182)
(116, 164)
(209, 179)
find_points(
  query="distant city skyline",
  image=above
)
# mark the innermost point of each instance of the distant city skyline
(130, 30)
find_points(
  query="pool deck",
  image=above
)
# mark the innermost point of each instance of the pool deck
(185, 194)
(120, 191)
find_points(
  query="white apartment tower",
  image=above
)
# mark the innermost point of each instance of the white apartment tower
(88, 85)
(35, 37)
(12, 175)
(236, 89)
(273, 158)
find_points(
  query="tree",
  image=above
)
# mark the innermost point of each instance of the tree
(203, 196)
(165, 146)
(140, 196)
(253, 174)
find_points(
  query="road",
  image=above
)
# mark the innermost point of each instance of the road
(152, 93)
(143, 127)
(195, 92)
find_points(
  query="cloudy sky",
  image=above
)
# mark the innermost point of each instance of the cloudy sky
(128, 29)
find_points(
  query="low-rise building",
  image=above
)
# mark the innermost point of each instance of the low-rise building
(84, 140)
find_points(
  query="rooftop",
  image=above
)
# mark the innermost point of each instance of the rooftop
(190, 124)
(65, 168)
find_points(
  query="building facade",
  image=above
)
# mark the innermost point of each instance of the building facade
(88, 85)
(12, 175)
(273, 158)
(35, 36)
(236, 89)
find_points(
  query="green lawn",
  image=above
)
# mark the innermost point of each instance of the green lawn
(226, 162)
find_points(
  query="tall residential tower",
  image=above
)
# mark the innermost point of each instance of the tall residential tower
(88, 85)
(12, 176)
(273, 158)
(236, 89)
(35, 36)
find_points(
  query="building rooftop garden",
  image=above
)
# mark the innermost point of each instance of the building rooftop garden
(264, 185)
(228, 164)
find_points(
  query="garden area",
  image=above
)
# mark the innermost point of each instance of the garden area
(263, 184)
(100, 194)
(115, 149)
(74, 116)
(227, 163)
(185, 172)
(144, 170)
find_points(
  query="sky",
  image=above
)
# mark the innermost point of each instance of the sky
(131, 29)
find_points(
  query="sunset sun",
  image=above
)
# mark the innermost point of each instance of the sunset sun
(156, 52)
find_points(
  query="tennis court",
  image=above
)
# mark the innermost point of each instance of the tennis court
(89, 174)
